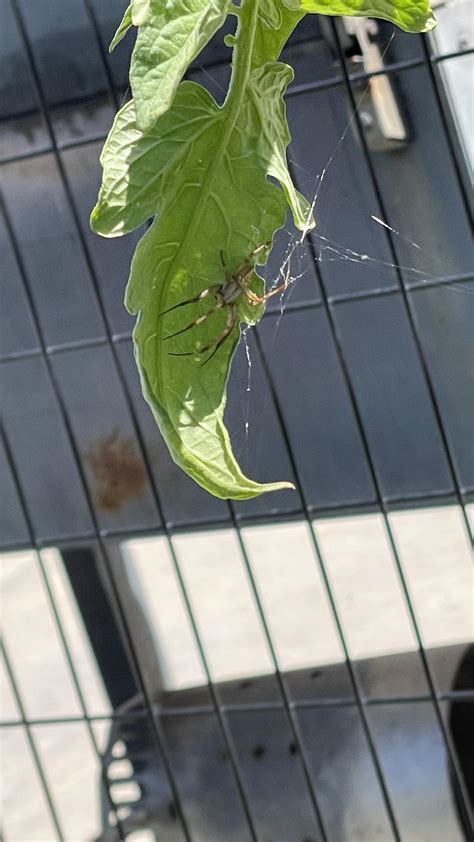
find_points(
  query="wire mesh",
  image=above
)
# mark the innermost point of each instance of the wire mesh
(234, 518)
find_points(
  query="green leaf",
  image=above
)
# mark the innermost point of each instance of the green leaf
(172, 34)
(124, 25)
(187, 398)
(176, 260)
(202, 169)
(134, 15)
(140, 10)
(267, 85)
(136, 165)
(410, 15)
(274, 25)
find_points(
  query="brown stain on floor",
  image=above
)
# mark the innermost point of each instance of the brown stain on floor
(118, 471)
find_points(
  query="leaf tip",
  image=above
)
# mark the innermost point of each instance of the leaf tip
(94, 219)
(276, 486)
(96, 223)
(431, 22)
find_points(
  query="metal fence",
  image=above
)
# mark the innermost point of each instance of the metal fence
(73, 414)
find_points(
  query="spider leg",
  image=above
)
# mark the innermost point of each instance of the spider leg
(204, 294)
(196, 322)
(260, 299)
(257, 251)
(232, 319)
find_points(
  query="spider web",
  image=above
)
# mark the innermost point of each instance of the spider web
(303, 248)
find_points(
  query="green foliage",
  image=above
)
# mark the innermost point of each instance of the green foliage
(125, 24)
(202, 172)
(170, 37)
(410, 15)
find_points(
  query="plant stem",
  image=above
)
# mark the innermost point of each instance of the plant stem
(242, 54)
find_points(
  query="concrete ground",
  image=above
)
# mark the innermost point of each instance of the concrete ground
(435, 558)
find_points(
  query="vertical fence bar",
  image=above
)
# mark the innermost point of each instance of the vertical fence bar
(90, 12)
(353, 677)
(432, 72)
(60, 630)
(406, 299)
(32, 745)
(219, 714)
(329, 309)
(290, 713)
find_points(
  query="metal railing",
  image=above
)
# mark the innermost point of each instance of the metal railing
(344, 78)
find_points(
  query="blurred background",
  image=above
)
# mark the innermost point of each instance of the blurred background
(297, 668)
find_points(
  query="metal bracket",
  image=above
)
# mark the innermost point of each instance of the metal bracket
(385, 108)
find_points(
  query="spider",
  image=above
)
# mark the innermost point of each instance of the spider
(227, 295)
